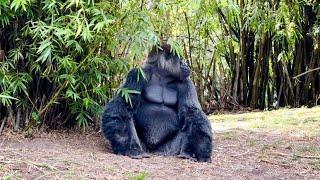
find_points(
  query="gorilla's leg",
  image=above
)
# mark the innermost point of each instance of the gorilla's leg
(197, 144)
(198, 140)
(123, 136)
(172, 147)
(193, 141)
(193, 145)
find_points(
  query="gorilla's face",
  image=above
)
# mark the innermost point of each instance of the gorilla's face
(173, 66)
(169, 64)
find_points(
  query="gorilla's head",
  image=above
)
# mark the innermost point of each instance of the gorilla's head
(168, 63)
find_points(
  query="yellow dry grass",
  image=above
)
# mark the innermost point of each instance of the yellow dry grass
(298, 121)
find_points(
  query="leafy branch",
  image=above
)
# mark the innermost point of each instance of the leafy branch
(126, 94)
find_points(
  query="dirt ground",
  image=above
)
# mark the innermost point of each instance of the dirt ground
(238, 154)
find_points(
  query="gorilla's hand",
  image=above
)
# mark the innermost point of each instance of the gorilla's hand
(186, 156)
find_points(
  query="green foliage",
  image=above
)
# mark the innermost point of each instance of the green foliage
(64, 59)
(316, 164)
(6, 99)
(140, 176)
(125, 93)
(36, 117)
(140, 73)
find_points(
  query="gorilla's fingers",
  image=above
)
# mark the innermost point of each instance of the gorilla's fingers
(139, 156)
(145, 155)
(186, 156)
(206, 160)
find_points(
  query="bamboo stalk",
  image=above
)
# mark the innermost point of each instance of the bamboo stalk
(2, 125)
(304, 73)
(16, 126)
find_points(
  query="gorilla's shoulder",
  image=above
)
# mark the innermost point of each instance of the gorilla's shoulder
(139, 74)
(133, 75)
(133, 72)
(186, 85)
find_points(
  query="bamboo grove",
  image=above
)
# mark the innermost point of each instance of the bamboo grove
(61, 61)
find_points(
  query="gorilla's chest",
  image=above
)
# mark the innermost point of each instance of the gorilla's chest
(157, 118)
(160, 91)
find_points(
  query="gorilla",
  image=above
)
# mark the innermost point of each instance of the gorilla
(165, 118)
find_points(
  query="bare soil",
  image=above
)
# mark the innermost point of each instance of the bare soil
(238, 154)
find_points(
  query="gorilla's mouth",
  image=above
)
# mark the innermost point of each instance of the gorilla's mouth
(185, 71)
(185, 74)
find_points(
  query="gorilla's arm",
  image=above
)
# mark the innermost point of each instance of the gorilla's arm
(198, 143)
(117, 120)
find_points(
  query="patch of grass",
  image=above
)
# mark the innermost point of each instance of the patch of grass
(252, 142)
(273, 145)
(6, 178)
(140, 176)
(229, 135)
(265, 147)
(299, 121)
(316, 165)
(294, 157)
(9, 175)
(309, 148)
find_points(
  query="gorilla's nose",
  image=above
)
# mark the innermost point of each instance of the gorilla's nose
(186, 70)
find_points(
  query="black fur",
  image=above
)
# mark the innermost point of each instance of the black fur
(193, 137)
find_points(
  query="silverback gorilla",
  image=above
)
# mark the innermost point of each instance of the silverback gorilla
(165, 118)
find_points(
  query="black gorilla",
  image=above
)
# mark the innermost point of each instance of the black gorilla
(165, 118)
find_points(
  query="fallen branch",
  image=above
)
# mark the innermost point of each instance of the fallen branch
(297, 155)
(274, 163)
(311, 70)
(40, 165)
